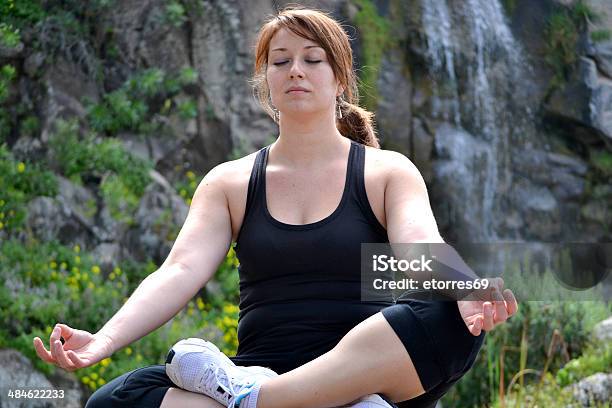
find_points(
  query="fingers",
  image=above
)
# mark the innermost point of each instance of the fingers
(60, 355)
(65, 331)
(476, 327)
(500, 312)
(41, 351)
(487, 312)
(511, 303)
(76, 360)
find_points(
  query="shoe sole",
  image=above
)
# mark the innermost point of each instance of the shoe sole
(231, 369)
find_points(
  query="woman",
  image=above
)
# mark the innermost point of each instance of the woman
(299, 210)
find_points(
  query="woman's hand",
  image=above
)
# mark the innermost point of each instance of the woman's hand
(80, 348)
(485, 314)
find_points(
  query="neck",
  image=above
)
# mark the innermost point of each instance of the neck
(306, 141)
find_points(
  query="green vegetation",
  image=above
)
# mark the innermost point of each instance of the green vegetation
(596, 359)
(19, 183)
(94, 158)
(175, 13)
(376, 39)
(601, 35)
(602, 160)
(509, 6)
(7, 75)
(44, 283)
(9, 36)
(562, 33)
(533, 351)
(133, 106)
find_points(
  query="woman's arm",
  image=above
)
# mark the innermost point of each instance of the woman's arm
(410, 219)
(200, 246)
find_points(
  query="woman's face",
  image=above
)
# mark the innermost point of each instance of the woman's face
(294, 61)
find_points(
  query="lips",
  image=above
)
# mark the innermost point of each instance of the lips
(297, 88)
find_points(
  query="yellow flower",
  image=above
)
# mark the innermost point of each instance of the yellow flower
(188, 201)
(111, 276)
(183, 192)
(1, 225)
(75, 270)
(128, 351)
(85, 380)
(192, 184)
(101, 381)
(94, 376)
(105, 362)
(200, 303)
(76, 248)
(95, 269)
(21, 167)
(119, 285)
(1, 215)
(90, 285)
(117, 270)
(138, 357)
(53, 265)
(53, 275)
(190, 175)
(77, 260)
(63, 265)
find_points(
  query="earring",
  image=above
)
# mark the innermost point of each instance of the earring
(276, 115)
(339, 102)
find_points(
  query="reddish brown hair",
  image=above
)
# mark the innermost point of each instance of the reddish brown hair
(319, 27)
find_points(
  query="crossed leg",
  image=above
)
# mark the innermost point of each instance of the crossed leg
(369, 359)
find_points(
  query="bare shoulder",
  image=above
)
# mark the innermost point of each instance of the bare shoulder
(230, 175)
(390, 165)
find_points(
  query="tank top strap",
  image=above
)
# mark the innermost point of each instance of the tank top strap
(359, 188)
(255, 192)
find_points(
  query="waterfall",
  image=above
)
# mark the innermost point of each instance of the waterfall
(478, 37)
(436, 21)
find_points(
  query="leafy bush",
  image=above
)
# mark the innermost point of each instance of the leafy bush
(94, 157)
(596, 359)
(9, 36)
(523, 342)
(19, 183)
(44, 283)
(133, 106)
(175, 13)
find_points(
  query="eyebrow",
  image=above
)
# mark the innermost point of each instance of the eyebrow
(308, 46)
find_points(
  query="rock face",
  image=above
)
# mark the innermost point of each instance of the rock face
(465, 90)
(17, 372)
(603, 330)
(593, 390)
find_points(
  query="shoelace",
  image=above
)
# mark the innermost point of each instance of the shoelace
(214, 377)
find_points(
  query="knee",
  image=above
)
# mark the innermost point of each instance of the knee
(101, 398)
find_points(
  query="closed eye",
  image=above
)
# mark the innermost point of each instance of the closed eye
(308, 61)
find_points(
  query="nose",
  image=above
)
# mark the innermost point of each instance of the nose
(296, 70)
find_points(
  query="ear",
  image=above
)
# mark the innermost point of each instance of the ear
(339, 90)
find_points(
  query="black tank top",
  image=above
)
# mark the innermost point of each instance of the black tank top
(300, 286)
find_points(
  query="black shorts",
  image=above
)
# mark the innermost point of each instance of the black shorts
(433, 333)
(438, 342)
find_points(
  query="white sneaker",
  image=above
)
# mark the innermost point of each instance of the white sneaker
(370, 401)
(197, 365)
